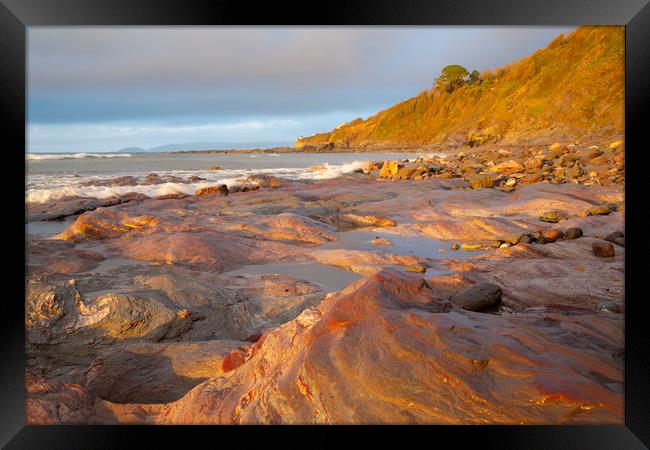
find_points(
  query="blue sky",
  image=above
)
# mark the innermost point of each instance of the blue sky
(103, 89)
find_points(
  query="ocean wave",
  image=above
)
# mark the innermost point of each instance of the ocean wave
(328, 172)
(101, 192)
(37, 157)
(46, 188)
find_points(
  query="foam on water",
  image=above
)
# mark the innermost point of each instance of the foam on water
(45, 188)
(52, 177)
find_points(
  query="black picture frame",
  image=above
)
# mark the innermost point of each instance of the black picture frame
(16, 15)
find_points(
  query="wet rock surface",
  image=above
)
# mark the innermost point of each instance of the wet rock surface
(134, 313)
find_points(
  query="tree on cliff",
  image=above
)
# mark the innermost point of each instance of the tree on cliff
(452, 77)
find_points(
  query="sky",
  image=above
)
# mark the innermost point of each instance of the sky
(96, 89)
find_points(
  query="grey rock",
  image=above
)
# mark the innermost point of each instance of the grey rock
(608, 307)
(611, 237)
(480, 297)
(573, 233)
(552, 217)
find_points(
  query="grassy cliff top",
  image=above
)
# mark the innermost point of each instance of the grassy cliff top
(572, 88)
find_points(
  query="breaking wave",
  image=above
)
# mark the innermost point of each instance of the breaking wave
(46, 188)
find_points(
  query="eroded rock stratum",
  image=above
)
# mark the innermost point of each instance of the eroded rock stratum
(160, 310)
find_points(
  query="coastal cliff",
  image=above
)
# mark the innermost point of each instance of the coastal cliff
(573, 87)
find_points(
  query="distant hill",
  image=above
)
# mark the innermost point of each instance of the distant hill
(206, 146)
(132, 150)
(572, 88)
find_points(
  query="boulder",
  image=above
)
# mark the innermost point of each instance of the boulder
(223, 189)
(573, 233)
(467, 246)
(608, 307)
(480, 297)
(480, 181)
(575, 171)
(599, 210)
(533, 164)
(242, 188)
(603, 249)
(526, 239)
(512, 239)
(552, 235)
(616, 144)
(552, 217)
(171, 197)
(506, 188)
(404, 173)
(507, 167)
(389, 169)
(611, 237)
(419, 268)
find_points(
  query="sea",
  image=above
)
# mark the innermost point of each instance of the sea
(51, 177)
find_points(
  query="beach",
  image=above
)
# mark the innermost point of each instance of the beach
(463, 286)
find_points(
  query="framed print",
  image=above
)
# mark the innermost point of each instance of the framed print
(387, 218)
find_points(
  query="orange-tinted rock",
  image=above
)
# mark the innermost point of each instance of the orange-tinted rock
(507, 167)
(430, 364)
(222, 189)
(551, 235)
(389, 168)
(105, 223)
(404, 173)
(375, 221)
(155, 372)
(244, 188)
(480, 181)
(233, 360)
(381, 241)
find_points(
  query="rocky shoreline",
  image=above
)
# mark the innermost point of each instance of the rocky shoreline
(512, 311)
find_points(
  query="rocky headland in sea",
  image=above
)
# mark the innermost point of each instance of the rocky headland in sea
(490, 290)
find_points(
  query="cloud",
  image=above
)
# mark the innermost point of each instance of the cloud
(173, 76)
(178, 56)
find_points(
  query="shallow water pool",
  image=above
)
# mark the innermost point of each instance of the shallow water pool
(421, 246)
(47, 228)
(328, 277)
